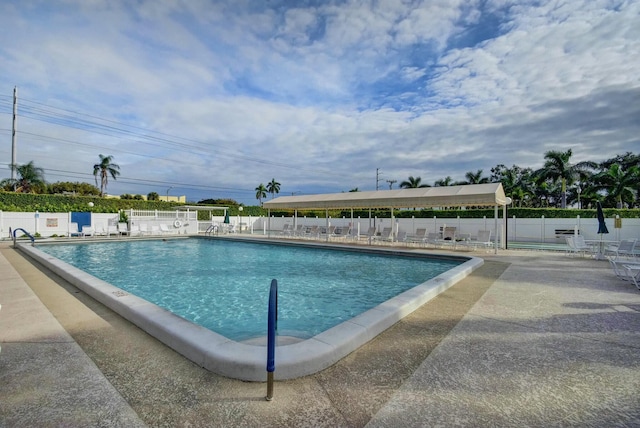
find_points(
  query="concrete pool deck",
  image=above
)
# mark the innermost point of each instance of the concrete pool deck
(528, 339)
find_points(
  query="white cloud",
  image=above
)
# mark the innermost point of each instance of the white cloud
(319, 97)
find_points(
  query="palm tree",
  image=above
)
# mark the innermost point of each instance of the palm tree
(105, 168)
(515, 182)
(447, 181)
(273, 187)
(557, 167)
(30, 179)
(475, 177)
(412, 183)
(619, 184)
(261, 193)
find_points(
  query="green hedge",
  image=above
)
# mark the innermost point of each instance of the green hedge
(27, 202)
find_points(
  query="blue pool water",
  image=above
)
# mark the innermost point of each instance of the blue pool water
(224, 285)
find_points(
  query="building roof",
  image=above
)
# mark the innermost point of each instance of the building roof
(490, 194)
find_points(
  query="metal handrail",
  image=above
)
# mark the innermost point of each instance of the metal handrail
(33, 240)
(272, 328)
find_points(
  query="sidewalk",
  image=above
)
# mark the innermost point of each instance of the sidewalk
(529, 339)
(46, 379)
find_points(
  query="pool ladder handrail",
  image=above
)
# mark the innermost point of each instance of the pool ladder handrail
(24, 232)
(272, 328)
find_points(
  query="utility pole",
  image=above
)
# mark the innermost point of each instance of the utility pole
(391, 183)
(377, 177)
(13, 134)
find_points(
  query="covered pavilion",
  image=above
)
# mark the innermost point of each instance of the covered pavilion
(490, 194)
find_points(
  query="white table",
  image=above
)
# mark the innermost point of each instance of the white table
(600, 244)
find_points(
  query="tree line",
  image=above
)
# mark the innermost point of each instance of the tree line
(615, 182)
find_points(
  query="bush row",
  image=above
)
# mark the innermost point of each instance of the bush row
(26, 202)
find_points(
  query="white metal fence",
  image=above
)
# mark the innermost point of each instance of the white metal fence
(542, 230)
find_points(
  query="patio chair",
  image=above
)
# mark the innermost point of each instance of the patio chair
(144, 229)
(340, 232)
(135, 230)
(312, 232)
(73, 229)
(433, 238)
(576, 244)
(633, 273)
(625, 248)
(298, 231)
(449, 237)
(370, 233)
(101, 230)
(401, 237)
(385, 235)
(87, 231)
(164, 229)
(483, 239)
(123, 229)
(287, 230)
(419, 237)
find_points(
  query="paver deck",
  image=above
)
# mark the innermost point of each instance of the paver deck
(529, 339)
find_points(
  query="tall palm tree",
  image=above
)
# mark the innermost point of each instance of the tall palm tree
(273, 187)
(412, 183)
(105, 168)
(30, 179)
(619, 184)
(261, 193)
(558, 167)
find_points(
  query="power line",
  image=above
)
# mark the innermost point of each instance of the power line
(69, 118)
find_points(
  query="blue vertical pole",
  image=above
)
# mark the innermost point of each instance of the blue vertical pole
(272, 326)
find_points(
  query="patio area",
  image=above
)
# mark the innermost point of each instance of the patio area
(532, 338)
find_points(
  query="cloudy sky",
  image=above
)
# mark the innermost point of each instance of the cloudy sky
(211, 98)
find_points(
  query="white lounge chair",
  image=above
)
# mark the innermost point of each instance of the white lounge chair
(449, 237)
(483, 239)
(341, 232)
(633, 273)
(123, 229)
(135, 230)
(73, 229)
(144, 229)
(87, 231)
(164, 229)
(371, 233)
(101, 230)
(385, 235)
(577, 244)
(287, 230)
(625, 248)
(433, 238)
(419, 237)
(626, 270)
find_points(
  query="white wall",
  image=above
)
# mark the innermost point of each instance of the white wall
(518, 229)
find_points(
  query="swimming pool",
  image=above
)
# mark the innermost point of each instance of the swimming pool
(224, 285)
(246, 361)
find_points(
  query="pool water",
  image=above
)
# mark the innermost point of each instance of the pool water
(224, 285)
